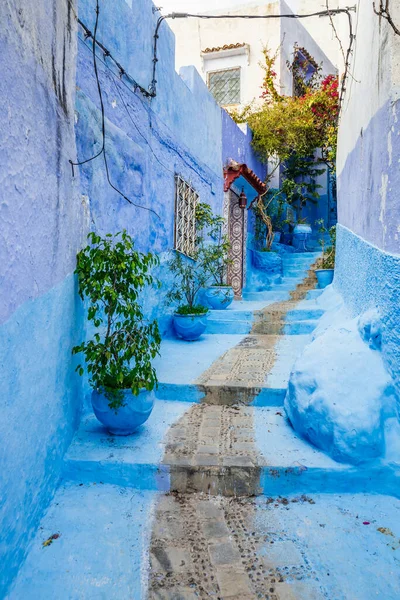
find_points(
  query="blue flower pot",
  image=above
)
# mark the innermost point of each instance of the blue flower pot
(219, 297)
(325, 277)
(190, 327)
(301, 234)
(135, 411)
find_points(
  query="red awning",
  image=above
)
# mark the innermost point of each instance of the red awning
(234, 170)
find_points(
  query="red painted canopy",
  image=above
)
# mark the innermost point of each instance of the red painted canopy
(235, 170)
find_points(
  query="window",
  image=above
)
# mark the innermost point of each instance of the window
(304, 69)
(225, 86)
(185, 217)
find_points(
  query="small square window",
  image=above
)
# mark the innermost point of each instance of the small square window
(225, 86)
(186, 199)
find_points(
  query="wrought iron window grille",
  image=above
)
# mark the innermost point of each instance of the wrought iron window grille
(186, 199)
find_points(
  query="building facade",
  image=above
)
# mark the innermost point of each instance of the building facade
(228, 53)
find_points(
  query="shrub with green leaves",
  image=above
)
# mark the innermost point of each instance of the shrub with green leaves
(112, 275)
(214, 252)
(328, 254)
(189, 277)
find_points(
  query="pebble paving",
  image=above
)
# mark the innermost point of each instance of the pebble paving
(204, 542)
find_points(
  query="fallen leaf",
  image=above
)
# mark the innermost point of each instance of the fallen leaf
(50, 540)
(385, 531)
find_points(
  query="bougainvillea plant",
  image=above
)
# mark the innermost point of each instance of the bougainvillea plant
(289, 130)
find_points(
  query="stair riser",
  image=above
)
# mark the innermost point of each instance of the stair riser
(235, 480)
(216, 481)
(222, 395)
(297, 328)
(229, 327)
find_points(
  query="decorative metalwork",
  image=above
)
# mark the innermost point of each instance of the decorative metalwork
(225, 86)
(186, 199)
(236, 227)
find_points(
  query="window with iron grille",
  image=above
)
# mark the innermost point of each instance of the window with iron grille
(225, 86)
(185, 217)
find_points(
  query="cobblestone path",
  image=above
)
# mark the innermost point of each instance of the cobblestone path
(205, 543)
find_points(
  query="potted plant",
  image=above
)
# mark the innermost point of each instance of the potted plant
(326, 273)
(278, 221)
(189, 277)
(215, 260)
(111, 275)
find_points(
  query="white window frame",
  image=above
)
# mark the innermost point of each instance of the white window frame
(186, 199)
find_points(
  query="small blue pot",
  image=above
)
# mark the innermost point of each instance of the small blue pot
(325, 277)
(135, 411)
(190, 327)
(302, 229)
(219, 297)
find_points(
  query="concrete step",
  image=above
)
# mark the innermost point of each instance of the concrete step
(314, 294)
(99, 534)
(112, 542)
(304, 314)
(296, 257)
(217, 450)
(228, 326)
(229, 321)
(284, 327)
(273, 295)
(299, 272)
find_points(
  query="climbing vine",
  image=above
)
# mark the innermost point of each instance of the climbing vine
(288, 130)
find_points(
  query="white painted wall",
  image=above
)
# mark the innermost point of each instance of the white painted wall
(320, 28)
(369, 134)
(195, 35)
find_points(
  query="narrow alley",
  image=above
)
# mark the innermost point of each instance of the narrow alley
(199, 300)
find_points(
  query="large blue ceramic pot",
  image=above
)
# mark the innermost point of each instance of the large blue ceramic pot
(219, 297)
(135, 411)
(301, 233)
(325, 277)
(190, 327)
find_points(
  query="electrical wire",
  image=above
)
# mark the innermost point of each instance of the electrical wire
(148, 110)
(324, 13)
(103, 127)
(108, 54)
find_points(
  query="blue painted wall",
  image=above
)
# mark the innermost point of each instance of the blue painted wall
(49, 114)
(43, 225)
(367, 270)
(236, 145)
(147, 141)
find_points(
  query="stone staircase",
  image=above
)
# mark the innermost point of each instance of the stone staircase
(216, 497)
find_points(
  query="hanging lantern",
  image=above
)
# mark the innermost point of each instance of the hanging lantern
(242, 200)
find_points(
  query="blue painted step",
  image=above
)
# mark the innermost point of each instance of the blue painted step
(299, 327)
(304, 314)
(313, 294)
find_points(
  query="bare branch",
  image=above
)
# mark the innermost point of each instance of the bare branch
(384, 12)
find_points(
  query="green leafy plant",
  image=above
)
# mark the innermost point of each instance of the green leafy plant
(214, 253)
(299, 182)
(111, 275)
(328, 252)
(189, 277)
